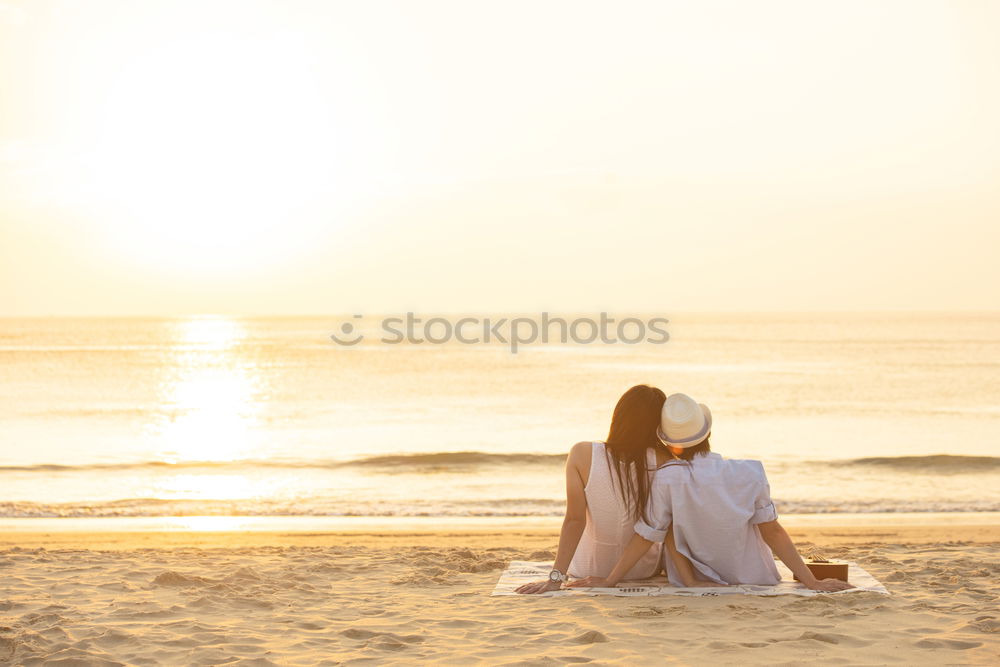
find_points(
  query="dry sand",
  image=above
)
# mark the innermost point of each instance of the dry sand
(414, 596)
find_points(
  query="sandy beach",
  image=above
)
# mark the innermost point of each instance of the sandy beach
(403, 596)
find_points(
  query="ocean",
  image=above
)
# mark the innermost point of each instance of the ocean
(862, 413)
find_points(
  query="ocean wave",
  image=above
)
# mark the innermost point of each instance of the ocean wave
(457, 458)
(425, 460)
(500, 507)
(164, 507)
(937, 463)
(883, 506)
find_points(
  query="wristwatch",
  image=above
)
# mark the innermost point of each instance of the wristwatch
(556, 575)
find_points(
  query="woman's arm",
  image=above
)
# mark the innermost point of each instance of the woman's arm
(658, 513)
(684, 569)
(575, 520)
(681, 563)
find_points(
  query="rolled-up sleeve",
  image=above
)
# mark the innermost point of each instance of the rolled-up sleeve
(659, 513)
(764, 509)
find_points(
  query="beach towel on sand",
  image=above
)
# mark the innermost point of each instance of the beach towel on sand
(522, 572)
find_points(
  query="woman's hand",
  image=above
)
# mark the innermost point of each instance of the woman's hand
(590, 582)
(828, 585)
(538, 587)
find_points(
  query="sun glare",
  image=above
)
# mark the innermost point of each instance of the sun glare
(212, 394)
(212, 149)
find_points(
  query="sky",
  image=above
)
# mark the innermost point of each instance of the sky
(172, 158)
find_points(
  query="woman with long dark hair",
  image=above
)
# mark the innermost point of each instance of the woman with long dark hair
(607, 486)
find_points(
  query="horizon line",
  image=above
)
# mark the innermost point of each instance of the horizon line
(349, 313)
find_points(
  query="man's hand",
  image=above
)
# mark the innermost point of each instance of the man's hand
(538, 587)
(698, 583)
(781, 544)
(590, 582)
(827, 585)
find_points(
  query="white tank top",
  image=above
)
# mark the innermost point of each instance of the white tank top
(610, 525)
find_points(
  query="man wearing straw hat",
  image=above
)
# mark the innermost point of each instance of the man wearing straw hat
(715, 514)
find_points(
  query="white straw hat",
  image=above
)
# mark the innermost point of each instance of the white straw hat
(683, 422)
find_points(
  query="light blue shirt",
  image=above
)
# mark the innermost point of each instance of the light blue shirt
(714, 505)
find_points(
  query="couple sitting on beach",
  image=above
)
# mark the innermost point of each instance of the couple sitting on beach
(655, 497)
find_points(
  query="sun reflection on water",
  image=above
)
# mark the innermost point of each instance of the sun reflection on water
(210, 333)
(211, 394)
(208, 523)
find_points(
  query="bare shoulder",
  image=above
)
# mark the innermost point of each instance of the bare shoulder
(579, 460)
(580, 452)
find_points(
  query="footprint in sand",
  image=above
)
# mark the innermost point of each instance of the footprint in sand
(641, 612)
(171, 578)
(834, 638)
(984, 624)
(956, 644)
(362, 633)
(7, 648)
(458, 623)
(310, 625)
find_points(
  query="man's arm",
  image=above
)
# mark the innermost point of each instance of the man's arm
(776, 537)
(659, 515)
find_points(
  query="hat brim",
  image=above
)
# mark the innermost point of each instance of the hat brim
(695, 439)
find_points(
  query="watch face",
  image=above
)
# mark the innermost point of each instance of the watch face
(555, 575)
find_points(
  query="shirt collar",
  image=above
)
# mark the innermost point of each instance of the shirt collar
(677, 462)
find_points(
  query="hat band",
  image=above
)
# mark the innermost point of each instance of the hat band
(692, 440)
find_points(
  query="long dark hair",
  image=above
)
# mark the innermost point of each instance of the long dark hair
(633, 431)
